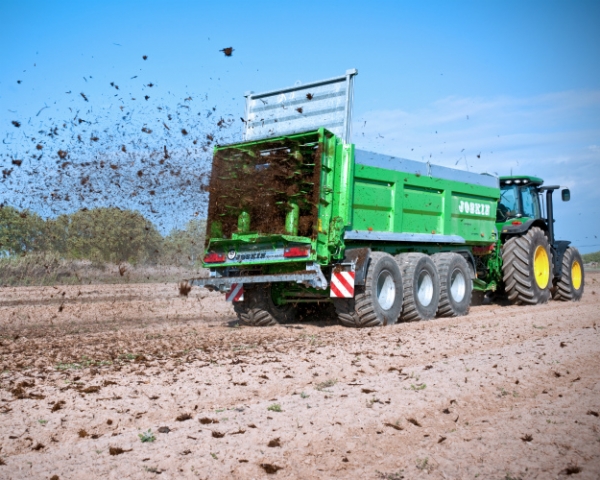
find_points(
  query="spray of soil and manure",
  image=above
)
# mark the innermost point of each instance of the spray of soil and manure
(107, 182)
(264, 180)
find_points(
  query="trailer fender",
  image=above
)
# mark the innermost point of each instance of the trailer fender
(360, 258)
(558, 252)
(468, 256)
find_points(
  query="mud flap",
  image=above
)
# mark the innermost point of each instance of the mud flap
(360, 258)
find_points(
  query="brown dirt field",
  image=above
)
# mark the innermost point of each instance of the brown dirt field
(506, 392)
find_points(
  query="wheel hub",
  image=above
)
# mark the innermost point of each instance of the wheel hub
(386, 290)
(576, 275)
(425, 289)
(458, 286)
(541, 267)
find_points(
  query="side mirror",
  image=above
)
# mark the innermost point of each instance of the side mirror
(565, 194)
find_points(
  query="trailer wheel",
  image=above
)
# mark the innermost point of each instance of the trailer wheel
(570, 284)
(526, 268)
(379, 302)
(258, 309)
(421, 284)
(455, 284)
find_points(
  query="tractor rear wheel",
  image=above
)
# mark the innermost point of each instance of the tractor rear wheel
(526, 268)
(570, 284)
(258, 309)
(455, 284)
(379, 302)
(421, 284)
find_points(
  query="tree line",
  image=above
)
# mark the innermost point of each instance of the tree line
(591, 257)
(109, 235)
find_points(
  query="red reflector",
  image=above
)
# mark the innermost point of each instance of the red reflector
(296, 252)
(214, 257)
(517, 222)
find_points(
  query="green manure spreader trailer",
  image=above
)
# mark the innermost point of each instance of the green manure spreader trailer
(305, 217)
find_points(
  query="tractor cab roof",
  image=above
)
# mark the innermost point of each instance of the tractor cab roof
(521, 180)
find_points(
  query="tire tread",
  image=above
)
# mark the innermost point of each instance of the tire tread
(564, 286)
(408, 263)
(442, 262)
(258, 310)
(517, 269)
(359, 312)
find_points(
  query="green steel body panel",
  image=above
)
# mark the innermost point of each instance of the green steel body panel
(394, 201)
(502, 226)
(245, 245)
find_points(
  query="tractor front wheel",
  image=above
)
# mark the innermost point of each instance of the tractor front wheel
(570, 284)
(526, 268)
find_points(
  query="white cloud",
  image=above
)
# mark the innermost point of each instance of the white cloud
(506, 132)
(555, 136)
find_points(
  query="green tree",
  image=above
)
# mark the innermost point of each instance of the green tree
(58, 234)
(591, 257)
(185, 247)
(21, 232)
(109, 235)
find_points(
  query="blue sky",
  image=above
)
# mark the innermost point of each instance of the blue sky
(515, 82)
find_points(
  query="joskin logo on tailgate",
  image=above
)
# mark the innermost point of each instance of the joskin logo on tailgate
(251, 256)
(474, 208)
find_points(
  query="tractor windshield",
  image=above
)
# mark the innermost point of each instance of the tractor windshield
(518, 201)
(508, 206)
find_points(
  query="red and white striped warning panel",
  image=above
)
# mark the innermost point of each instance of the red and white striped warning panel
(236, 294)
(342, 285)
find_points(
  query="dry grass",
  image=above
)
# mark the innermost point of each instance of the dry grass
(43, 269)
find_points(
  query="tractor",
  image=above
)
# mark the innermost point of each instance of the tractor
(535, 266)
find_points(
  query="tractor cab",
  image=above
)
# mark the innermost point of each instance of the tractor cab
(521, 205)
(527, 233)
(519, 200)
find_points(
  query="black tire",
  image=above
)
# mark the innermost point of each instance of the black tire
(258, 309)
(569, 286)
(456, 285)
(524, 283)
(379, 302)
(421, 284)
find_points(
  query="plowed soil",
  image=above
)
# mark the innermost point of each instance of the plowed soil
(506, 392)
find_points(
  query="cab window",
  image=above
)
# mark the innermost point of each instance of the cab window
(508, 204)
(530, 202)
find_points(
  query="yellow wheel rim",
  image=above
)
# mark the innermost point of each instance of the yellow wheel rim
(576, 275)
(541, 267)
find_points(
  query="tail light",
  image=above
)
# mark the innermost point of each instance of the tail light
(214, 257)
(517, 222)
(293, 252)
